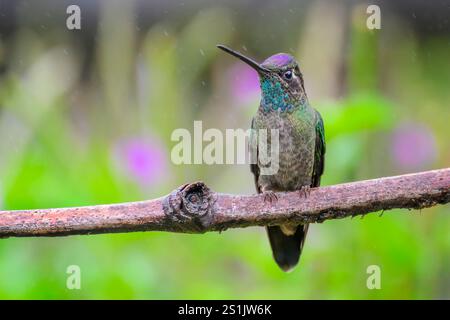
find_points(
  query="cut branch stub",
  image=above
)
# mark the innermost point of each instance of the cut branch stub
(190, 208)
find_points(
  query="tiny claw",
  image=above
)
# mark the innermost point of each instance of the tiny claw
(270, 196)
(305, 191)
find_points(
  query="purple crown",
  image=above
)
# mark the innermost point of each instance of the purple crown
(278, 60)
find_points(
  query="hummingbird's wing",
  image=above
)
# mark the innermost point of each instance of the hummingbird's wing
(319, 153)
(253, 148)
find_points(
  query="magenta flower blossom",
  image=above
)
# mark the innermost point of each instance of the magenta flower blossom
(244, 83)
(413, 146)
(143, 159)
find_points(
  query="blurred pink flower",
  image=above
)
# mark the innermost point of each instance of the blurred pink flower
(413, 146)
(143, 159)
(244, 83)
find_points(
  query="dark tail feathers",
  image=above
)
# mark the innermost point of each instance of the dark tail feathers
(287, 249)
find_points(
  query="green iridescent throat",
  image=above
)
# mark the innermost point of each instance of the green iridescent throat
(274, 97)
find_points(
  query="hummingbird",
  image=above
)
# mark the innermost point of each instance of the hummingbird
(301, 149)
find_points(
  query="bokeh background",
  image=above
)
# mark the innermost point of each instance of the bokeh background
(86, 117)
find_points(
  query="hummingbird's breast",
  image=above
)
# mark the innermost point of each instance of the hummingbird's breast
(296, 132)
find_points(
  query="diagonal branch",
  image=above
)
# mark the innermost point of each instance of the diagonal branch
(194, 208)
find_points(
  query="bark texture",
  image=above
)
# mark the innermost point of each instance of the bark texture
(194, 208)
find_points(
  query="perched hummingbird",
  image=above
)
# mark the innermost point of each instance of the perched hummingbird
(284, 106)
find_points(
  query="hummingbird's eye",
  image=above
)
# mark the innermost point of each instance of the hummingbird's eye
(287, 75)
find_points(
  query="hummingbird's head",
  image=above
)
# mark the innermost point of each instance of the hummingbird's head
(281, 81)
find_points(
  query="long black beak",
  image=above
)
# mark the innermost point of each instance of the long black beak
(252, 63)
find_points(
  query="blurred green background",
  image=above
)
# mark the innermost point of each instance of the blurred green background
(86, 117)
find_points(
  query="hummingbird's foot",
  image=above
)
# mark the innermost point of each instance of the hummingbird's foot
(270, 196)
(305, 191)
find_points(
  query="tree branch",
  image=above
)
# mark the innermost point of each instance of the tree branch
(194, 208)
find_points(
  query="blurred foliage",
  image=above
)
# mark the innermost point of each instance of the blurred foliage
(72, 137)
